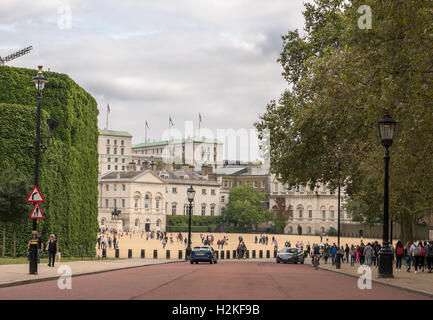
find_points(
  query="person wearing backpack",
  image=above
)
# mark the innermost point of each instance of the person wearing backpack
(429, 255)
(415, 250)
(399, 254)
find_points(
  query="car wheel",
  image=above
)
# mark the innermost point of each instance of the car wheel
(196, 262)
(192, 262)
(296, 262)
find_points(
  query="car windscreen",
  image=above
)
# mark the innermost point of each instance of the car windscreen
(201, 249)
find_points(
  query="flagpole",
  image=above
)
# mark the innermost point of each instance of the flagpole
(145, 132)
(108, 111)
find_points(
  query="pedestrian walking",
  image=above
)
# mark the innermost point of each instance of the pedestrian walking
(347, 250)
(429, 256)
(415, 250)
(333, 253)
(399, 254)
(352, 253)
(407, 255)
(368, 254)
(52, 248)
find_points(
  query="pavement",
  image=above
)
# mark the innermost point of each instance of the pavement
(18, 274)
(226, 280)
(421, 282)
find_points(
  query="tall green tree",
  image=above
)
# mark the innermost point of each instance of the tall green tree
(245, 206)
(13, 207)
(342, 80)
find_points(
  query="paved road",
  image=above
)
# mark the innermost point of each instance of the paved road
(225, 280)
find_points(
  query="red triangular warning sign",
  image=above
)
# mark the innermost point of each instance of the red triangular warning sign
(35, 196)
(36, 212)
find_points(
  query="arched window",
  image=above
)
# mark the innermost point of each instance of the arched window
(322, 230)
(137, 223)
(203, 209)
(323, 210)
(300, 210)
(173, 209)
(103, 222)
(212, 209)
(158, 222)
(310, 213)
(290, 230)
(146, 202)
(308, 230)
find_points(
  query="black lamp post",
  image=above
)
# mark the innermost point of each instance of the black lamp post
(191, 194)
(386, 131)
(39, 81)
(338, 262)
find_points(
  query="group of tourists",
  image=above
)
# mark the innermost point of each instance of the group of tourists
(263, 239)
(418, 255)
(110, 243)
(222, 242)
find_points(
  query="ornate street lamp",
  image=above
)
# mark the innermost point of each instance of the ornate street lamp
(39, 82)
(191, 194)
(339, 256)
(386, 131)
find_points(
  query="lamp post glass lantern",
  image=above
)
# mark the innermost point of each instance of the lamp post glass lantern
(39, 82)
(386, 127)
(191, 195)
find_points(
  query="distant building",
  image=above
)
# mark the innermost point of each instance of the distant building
(190, 151)
(146, 197)
(114, 149)
(310, 211)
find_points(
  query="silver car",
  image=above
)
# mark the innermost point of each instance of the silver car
(294, 255)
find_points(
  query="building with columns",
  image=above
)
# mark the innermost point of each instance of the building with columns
(146, 197)
(310, 211)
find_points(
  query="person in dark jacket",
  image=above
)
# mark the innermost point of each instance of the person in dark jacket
(429, 256)
(52, 248)
(347, 250)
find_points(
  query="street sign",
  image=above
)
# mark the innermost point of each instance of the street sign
(37, 212)
(35, 196)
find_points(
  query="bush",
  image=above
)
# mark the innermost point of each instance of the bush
(332, 231)
(195, 220)
(69, 168)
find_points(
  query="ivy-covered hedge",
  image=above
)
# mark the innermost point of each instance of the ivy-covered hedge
(195, 220)
(68, 169)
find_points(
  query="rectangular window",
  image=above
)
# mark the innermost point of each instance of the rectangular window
(222, 199)
(108, 141)
(300, 214)
(310, 214)
(263, 184)
(115, 203)
(116, 159)
(323, 214)
(106, 203)
(136, 203)
(255, 184)
(173, 209)
(174, 190)
(115, 187)
(115, 150)
(123, 187)
(122, 151)
(115, 167)
(107, 187)
(332, 214)
(108, 167)
(123, 168)
(123, 203)
(108, 150)
(122, 142)
(123, 160)
(212, 192)
(115, 141)
(157, 204)
(291, 214)
(212, 210)
(203, 191)
(108, 159)
(203, 210)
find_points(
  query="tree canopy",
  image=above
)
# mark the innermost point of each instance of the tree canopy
(342, 79)
(245, 206)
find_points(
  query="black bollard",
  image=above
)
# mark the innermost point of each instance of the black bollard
(254, 254)
(167, 254)
(260, 254)
(117, 253)
(228, 254)
(129, 253)
(268, 254)
(248, 254)
(143, 253)
(155, 254)
(222, 255)
(180, 254)
(234, 254)
(104, 253)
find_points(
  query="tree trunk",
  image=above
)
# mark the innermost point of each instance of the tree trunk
(407, 227)
(4, 240)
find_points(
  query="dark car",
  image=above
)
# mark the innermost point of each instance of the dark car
(294, 255)
(203, 254)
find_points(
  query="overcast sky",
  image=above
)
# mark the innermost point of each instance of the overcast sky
(153, 59)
